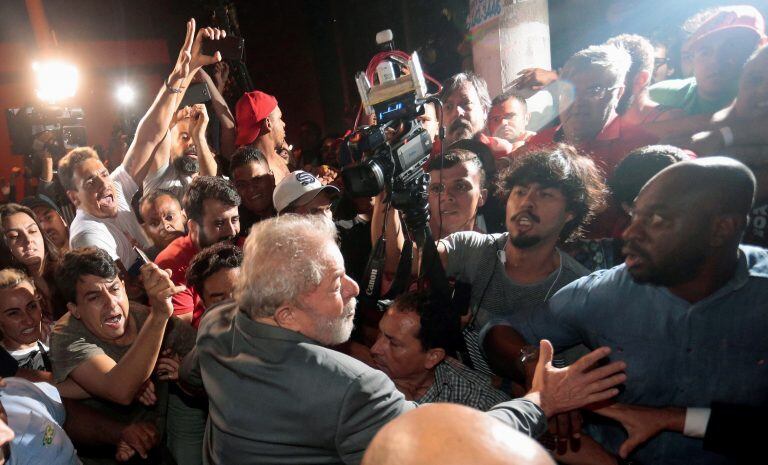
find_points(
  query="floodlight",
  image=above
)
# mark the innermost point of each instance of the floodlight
(125, 94)
(56, 80)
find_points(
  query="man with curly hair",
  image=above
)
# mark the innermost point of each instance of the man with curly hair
(549, 196)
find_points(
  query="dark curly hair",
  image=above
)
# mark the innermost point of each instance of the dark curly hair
(564, 168)
(638, 167)
(208, 187)
(209, 261)
(438, 329)
(79, 262)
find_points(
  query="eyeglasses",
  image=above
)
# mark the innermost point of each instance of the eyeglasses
(590, 93)
(659, 62)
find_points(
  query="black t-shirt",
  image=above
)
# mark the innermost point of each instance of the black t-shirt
(8, 365)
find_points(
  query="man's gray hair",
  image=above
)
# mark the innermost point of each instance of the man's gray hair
(455, 82)
(610, 57)
(283, 258)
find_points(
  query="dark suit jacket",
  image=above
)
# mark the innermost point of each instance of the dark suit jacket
(278, 397)
(736, 430)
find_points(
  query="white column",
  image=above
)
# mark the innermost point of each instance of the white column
(507, 36)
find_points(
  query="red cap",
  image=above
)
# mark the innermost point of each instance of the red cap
(730, 17)
(250, 111)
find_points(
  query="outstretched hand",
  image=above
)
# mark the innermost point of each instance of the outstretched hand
(643, 423)
(534, 78)
(565, 389)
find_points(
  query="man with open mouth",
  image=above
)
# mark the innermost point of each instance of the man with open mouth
(687, 290)
(104, 216)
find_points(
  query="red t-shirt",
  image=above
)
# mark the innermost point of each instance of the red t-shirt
(613, 143)
(176, 257)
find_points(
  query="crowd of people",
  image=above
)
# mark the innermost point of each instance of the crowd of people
(195, 300)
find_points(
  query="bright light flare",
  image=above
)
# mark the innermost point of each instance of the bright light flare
(55, 80)
(125, 94)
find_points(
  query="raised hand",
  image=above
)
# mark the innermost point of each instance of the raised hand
(221, 75)
(565, 389)
(182, 67)
(534, 78)
(198, 116)
(159, 288)
(198, 58)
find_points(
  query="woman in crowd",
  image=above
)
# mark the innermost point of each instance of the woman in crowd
(21, 318)
(24, 246)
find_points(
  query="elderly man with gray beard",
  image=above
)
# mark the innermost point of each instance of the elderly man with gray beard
(279, 395)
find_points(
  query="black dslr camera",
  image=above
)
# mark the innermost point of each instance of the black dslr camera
(391, 155)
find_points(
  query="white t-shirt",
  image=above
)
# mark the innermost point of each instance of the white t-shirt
(167, 178)
(36, 415)
(115, 235)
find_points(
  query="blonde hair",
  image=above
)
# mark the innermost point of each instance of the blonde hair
(12, 277)
(283, 258)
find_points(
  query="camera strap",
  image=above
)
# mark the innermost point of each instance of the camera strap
(403, 273)
(374, 271)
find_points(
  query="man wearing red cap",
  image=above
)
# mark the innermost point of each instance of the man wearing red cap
(260, 124)
(719, 47)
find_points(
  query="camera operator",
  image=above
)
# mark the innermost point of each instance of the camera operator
(456, 192)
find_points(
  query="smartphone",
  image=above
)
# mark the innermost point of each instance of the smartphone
(196, 93)
(143, 258)
(230, 47)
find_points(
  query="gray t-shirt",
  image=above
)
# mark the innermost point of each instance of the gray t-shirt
(72, 344)
(474, 258)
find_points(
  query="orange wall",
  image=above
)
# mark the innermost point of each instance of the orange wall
(102, 66)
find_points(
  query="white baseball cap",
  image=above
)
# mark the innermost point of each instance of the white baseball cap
(298, 185)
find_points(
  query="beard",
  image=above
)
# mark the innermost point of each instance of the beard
(337, 330)
(460, 129)
(186, 165)
(525, 242)
(206, 241)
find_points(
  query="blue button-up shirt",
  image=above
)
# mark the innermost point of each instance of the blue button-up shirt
(677, 353)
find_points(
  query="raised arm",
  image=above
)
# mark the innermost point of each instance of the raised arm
(223, 113)
(154, 125)
(199, 122)
(393, 235)
(119, 381)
